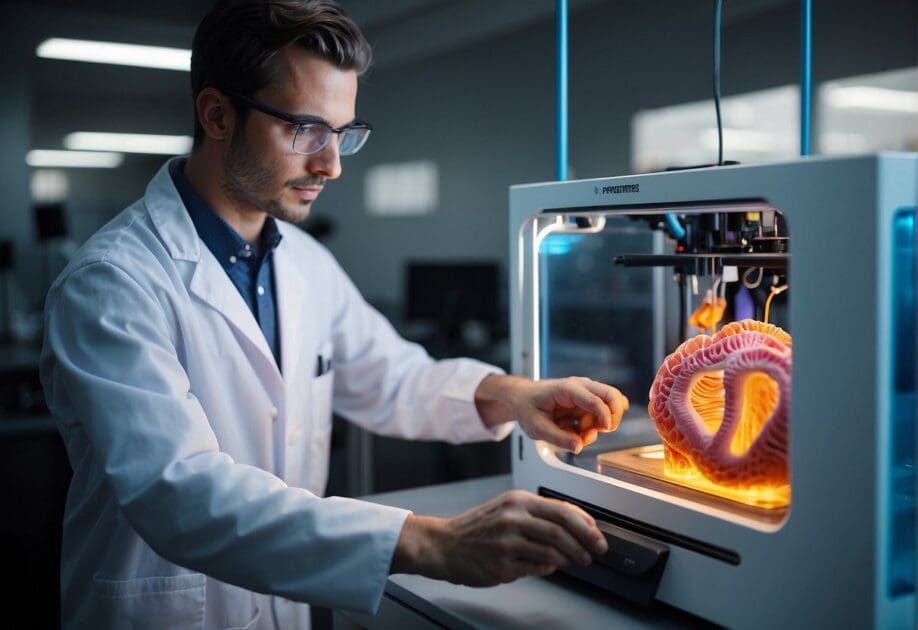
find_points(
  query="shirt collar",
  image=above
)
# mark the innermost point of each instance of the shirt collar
(221, 239)
(270, 235)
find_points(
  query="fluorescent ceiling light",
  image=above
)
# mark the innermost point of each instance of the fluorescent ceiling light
(873, 98)
(74, 159)
(115, 53)
(128, 142)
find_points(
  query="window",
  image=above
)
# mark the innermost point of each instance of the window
(759, 126)
(874, 112)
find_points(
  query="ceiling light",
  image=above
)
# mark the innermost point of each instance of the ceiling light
(128, 142)
(873, 98)
(115, 53)
(74, 159)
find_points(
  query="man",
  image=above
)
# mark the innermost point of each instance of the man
(196, 346)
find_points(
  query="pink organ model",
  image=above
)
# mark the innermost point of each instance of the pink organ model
(721, 406)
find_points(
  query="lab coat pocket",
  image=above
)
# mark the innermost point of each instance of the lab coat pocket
(321, 390)
(175, 601)
(321, 393)
(321, 421)
(322, 399)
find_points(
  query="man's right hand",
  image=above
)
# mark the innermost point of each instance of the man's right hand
(512, 536)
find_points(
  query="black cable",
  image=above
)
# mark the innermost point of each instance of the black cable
(718, 8)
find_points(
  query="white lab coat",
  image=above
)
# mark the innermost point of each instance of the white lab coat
(198, 466)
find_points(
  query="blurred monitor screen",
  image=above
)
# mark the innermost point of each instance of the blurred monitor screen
(452, 292)
(49, 220)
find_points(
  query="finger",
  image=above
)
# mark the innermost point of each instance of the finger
(544, 570)
(626, 404)
(527, 498)
(616, 401)
(586, 421)
(612, 397)
(575, 521)
(543, 428)
(588, 433)
(568, 424)
(546, 534)
(528, 550)
(540, 570)
(575, 423)
(589, 436)
(584, 399)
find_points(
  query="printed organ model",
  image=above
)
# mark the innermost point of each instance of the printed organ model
(721, 405)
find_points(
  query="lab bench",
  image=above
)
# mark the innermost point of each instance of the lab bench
(412, 601)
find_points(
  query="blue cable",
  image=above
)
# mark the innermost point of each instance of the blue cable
(806, 73)
(675, 227)
(561, 161)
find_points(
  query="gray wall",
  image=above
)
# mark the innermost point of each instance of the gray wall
(15, 133)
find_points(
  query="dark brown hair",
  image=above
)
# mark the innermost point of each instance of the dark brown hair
(236, 44)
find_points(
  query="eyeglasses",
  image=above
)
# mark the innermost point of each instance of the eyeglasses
(312, 134)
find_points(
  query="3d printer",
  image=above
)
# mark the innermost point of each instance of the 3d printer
(611, 277)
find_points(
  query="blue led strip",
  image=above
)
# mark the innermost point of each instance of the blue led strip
(806, 73)
(561, 161)
(900, 563)
(544, 262)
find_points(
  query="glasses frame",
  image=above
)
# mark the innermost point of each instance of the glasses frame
(301, 122)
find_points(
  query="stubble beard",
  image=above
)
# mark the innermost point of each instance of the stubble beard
(247, 180)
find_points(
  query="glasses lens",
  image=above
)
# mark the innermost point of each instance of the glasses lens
(311, 138)
(352, 140)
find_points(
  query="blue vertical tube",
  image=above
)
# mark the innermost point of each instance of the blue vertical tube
(561, 157)
(806, 73)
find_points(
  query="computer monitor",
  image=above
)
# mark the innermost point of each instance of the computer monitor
(49, 221)
(452, 292)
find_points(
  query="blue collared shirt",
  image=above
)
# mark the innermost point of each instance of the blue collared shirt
(248, 266)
